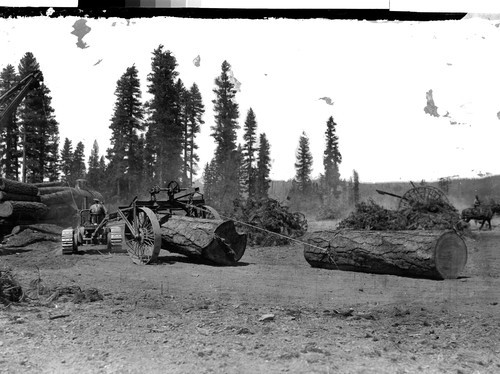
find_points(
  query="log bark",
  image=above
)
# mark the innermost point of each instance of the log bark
(23, 210)
(20, 188)
(40, 227)
(70, 196)
(52, 189)
(5, 196)
(61, 213)
(29, 237)
(436, 254)
(214, 240)
(49, 184)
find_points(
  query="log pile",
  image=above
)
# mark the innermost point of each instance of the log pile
(270, 215)
(31, 203)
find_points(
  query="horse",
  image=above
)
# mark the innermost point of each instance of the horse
(482, 213)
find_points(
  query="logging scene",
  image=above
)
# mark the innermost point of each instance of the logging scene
(200, 241)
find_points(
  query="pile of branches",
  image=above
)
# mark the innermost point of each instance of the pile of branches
(10, 289)
(435, 215)
(270, 215)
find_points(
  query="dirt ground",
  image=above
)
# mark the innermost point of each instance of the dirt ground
(272, 313)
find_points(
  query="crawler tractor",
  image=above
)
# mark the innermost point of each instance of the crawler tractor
(88, 233)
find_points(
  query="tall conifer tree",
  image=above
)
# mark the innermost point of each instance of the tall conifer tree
(125, 163)
(332, 159)
(9, 137)
(40, 130)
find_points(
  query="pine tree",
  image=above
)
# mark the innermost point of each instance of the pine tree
(303, 165)
(164, 139)
(78, 168)
(182, 121)
(125, 164)
(262, 181)
(93, 175)
(249, 149)
(194, 110)
(40, 130)
(209, 180)
(9, 141)
(355, 186)
(224, 132)
(331, 160)
(66, 161)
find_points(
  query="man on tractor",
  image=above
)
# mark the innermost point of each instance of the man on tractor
(97, 212)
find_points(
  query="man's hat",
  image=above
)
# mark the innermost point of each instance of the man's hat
(96, 200)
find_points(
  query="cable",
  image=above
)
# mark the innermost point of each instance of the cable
(327, 252)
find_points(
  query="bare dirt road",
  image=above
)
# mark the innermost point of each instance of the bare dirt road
(272, 313)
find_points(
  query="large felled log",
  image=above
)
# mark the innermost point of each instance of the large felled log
(432, 254)
(16, 187)
(29, 237)
(52, 189)
(23, 210)
(61, 213)
(39, 227)
(5, 196)
(49, 184)
(213, 240)
(70, 196)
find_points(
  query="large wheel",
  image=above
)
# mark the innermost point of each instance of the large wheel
(209, 212)
(425, 195)
(144, 243)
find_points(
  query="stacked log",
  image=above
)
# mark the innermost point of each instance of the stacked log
(19, 202)
(50, 202)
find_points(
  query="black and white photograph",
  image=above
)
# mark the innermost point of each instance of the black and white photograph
(215, 191)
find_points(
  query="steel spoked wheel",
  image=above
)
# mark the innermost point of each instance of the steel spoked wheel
(209, 212)
(144, 244)
(425, 195)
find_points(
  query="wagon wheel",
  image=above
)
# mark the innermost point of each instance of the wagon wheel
(208, 212)
(174, 187)
(144, 243)
(425, 195)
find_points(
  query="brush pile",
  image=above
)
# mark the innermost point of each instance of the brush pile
(270, 215)
(434, 215)
(10, 289)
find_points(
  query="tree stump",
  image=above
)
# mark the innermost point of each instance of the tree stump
(214, 240)
(434, 254)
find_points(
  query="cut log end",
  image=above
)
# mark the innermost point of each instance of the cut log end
(450, 255)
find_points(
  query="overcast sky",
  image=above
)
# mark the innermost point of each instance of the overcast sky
(376, 73)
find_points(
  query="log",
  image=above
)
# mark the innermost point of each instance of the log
(16, 187)
(53, 189)
(23, 210)
(40, 227)
(433, 254)
(214, 240)
(28, 237)
(5, 196)
(50, 184)
(61, 213)
(70, 196)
